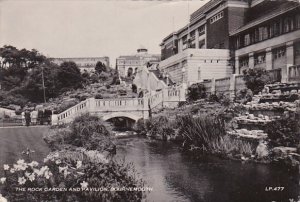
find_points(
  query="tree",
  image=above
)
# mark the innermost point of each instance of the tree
(100, 67)
(256, 79)
(68, 76)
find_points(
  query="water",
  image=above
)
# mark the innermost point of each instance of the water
(175, 176)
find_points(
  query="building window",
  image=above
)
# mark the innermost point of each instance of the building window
(244, 62)
(297, 17)
(278, 53)
(259, 58)
(274, 29)
(247, 39)
(262, 33)
(216, 17)
(202, 44)
(288, 25)
(201, 30)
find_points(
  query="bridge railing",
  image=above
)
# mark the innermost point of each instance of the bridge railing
(156, 99)
(92, 105)
(69, 114)
(166, 97)
(117, 104)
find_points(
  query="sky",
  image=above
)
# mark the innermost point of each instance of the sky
(90, 28)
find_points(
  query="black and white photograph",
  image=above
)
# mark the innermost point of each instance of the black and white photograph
(149, 101)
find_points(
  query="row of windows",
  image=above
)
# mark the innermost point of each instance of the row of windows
(273, 29)
(216, 17)
(261, 57)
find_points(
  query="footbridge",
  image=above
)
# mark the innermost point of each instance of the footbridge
(132, 108)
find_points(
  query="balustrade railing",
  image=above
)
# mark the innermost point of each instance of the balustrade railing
(74, 111)
(118, 104)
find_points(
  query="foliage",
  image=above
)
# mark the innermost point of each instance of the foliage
(160, 126)
(227, 145)
(200, 131)
(196, 91)
(140, 126)
(255, 79)
(284, 132)
(243, 96)
(73, 172)
(100, 67)
(116, 80)
(213, 98)
(69, 76)
(11, 56)
(141, 94)
(23, 73)
(134, 88)
(65, 105)
(98, 96)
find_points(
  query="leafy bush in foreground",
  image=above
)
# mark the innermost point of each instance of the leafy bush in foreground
(76, 173)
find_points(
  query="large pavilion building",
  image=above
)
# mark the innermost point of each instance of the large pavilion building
(227, 36)
(127, 65)
(84, 63)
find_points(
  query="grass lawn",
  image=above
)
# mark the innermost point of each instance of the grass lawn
(15, 140)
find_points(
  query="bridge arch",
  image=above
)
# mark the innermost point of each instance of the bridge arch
(121, 114)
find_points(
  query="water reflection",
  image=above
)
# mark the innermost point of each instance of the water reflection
(175, 176)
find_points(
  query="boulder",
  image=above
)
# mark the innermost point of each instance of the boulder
(262, 150)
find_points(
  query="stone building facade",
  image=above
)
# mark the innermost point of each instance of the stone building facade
(128, 65)
(84, 64)
(239, 33)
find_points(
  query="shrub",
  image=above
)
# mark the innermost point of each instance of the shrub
(98, 96)
(140, 126)
(226, 101)
(213, 98)
(243, 96)
(134, 88)
(65, 105)
(284, 132)
(196, 91)
(160, 126)
(199, 131)
(256, 79)
(85, 131)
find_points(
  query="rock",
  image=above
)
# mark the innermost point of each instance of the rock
(262, 150)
